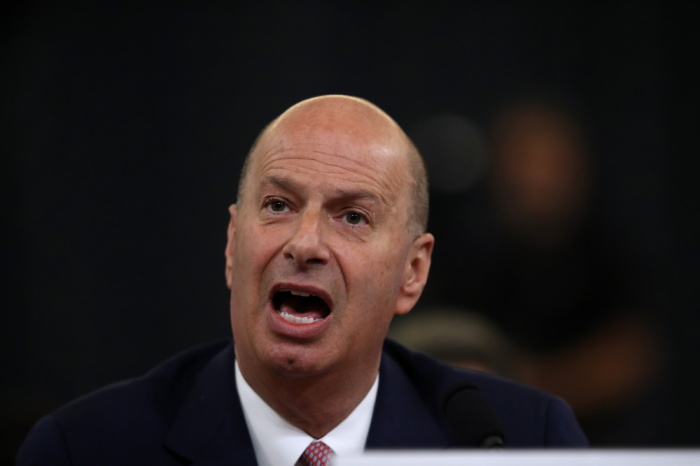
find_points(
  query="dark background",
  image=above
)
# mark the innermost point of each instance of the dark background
(125, 126)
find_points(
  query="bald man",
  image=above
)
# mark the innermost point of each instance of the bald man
(326, 243)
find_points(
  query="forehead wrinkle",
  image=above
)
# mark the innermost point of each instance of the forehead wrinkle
(374, 186)
(321, 159)
(291, 185)
(366, 190)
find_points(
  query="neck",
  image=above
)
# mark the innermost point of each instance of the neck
(316, 403)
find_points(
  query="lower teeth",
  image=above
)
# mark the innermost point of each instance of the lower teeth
(297, 320)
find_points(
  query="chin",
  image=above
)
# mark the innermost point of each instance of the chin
(296, 360)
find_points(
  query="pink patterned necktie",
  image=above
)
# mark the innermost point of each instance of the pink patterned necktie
(316, 454)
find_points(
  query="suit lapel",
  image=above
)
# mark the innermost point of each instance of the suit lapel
(401, 419)
(210, 427)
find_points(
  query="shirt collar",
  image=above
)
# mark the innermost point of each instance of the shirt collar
(277, 442)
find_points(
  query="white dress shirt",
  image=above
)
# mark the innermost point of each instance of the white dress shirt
(278, 443)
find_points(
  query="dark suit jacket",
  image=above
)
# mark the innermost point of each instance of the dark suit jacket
(186, 411)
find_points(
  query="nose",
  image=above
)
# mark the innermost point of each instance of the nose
(307, 245)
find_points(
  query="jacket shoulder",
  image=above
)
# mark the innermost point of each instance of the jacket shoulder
(136, 413)
(528, 417)
(158, 392)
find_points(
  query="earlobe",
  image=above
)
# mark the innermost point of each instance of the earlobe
(416, 272)
(229, 244)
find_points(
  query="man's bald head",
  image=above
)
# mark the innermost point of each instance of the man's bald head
(351, 113)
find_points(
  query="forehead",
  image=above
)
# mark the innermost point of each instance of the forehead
(331, 153)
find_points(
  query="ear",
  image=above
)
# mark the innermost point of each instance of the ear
(415, 273)
(229, 244)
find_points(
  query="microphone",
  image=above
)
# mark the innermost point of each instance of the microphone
(472, 418)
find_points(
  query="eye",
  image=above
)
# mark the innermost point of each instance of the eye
(276, 205)
(355, 218)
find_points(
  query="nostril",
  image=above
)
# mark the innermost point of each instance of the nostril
(306, 254)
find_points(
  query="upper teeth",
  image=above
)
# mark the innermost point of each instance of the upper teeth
(300, 293)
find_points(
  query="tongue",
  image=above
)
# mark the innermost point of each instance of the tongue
(304, 306)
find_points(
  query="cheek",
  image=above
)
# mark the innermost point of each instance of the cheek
(377, 282)
(390, 264)
(251, 254)
(252, 249)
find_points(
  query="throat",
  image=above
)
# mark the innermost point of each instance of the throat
(317, 405)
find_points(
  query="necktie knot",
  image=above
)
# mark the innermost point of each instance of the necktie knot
(316, 454)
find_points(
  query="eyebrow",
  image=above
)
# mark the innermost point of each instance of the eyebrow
(284, 183)
(355, 194)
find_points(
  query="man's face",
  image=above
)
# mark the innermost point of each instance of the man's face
(319, 255)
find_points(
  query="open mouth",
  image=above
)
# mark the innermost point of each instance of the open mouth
(299, 307)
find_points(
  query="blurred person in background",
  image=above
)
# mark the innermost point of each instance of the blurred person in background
(457, 336)
(533, 258)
